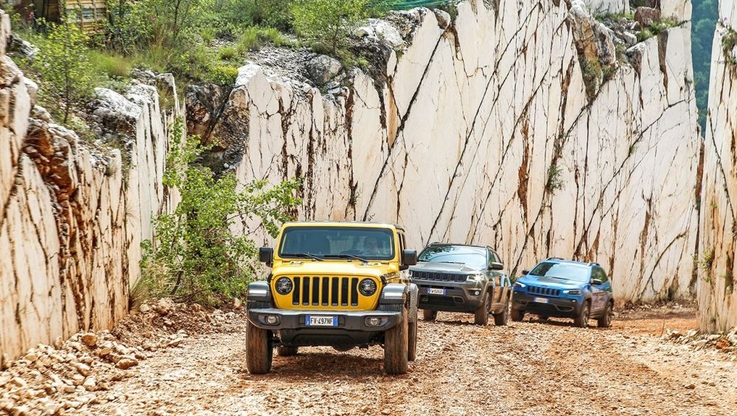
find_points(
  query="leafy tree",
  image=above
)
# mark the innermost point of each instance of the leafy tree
(274, 13)
(703, 23)
(64, 66)
(196, 256)
(328, 21)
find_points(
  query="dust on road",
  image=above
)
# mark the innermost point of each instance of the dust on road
(193, 362)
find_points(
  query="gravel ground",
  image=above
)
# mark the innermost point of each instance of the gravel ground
(184, 360)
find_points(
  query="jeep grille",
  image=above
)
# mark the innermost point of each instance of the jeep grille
(325, 291)
(441, 277)
(543, 291)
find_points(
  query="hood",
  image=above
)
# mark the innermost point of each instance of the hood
(332, 267)
(444, 267)
(550, 282)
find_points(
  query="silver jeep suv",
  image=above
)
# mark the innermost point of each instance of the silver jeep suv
(462, 278)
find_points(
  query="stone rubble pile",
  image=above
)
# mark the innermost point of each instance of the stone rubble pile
(725, 342)
(69, 376)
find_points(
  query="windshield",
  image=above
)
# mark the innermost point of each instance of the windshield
(471, 256)
(337, 242)
(562, 271)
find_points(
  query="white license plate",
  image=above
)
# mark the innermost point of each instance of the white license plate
(321, 320)
(433, 291)
(540, 300)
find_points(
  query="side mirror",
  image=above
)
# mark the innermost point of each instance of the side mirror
(496, 266)
(409, 258)
(595, 282)
(525, 272)
(266, 255)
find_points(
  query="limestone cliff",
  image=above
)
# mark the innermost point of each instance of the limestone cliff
(521, 125)
(72, 217)
(718, 226)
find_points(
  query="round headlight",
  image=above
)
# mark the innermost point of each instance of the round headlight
(284, 285)
(367, 287)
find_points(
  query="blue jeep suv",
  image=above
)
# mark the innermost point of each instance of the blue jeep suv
(564, 288)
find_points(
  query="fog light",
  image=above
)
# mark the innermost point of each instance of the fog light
(270, 319)
(375, 321)
(476, 292)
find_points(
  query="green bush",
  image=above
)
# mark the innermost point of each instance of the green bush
(328, 22)
(228, 53)
(222, 75)
(644, 35)
(196, 256)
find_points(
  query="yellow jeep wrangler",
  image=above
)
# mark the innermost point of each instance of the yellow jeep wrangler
(339, 284)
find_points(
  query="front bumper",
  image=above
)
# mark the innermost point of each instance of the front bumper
(453, 297)
(342, 320)
(565, 307)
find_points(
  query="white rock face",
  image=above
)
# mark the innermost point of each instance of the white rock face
(484, 134)
(718, 245)
(71, 220)
(607, 6)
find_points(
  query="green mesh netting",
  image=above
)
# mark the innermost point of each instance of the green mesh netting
(408, 4)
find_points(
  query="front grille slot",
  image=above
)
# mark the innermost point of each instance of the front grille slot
(543, 291)
(439, 277)
(325, 291)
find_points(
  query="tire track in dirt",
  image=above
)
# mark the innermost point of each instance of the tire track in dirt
(525, 368)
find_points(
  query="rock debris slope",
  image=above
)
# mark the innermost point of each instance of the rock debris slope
(528, 126)
(717, 245)
(72, 218)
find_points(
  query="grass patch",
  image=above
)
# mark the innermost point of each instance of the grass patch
(592, 73)
(614, 17)
(253, 38)
(113, 66)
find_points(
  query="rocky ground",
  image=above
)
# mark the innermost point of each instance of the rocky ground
(175, 359)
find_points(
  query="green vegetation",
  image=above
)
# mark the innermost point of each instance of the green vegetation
(729, 41)
(555, 182)
(64, 68)
(196, 40)
(327, 22)
(592, 73)
(196, 256)
(707, 259)
(703, 23)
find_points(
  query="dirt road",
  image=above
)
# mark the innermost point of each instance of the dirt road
(527, 368)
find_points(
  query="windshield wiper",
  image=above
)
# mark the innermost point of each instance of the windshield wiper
(345, 256)
(302, 255)
(452, 262)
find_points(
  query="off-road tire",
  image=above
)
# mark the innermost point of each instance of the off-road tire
(605, 321)
(502, 318)
(286, 351)
(582, 320)
(259, 351)
(517, 315)
(396, 348)
(412, 341)
(481, 317)
(429, 315)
